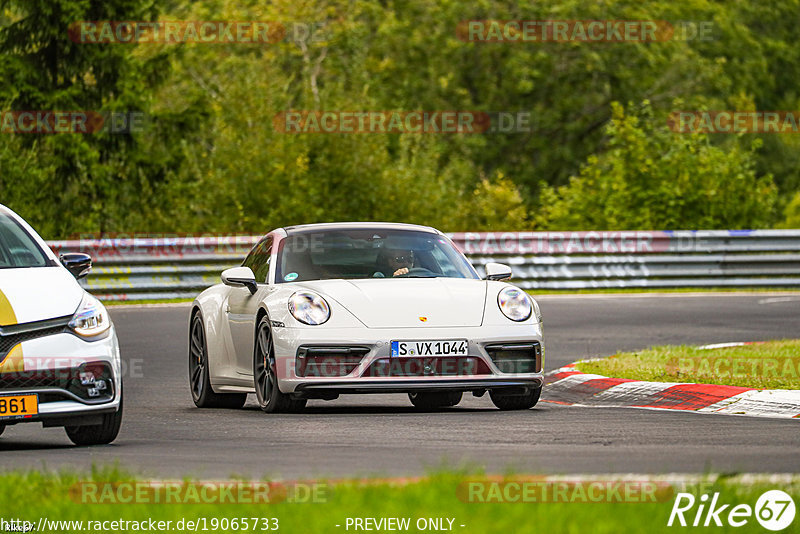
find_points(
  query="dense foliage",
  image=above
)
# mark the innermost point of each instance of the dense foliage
(598, 154)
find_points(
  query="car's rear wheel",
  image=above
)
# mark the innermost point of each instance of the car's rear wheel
(433, 400)
(199, 382)
(101, 434)
(508, 401)
(265, 374)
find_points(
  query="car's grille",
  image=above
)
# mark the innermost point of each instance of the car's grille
(34, 380)
(516, 357)
(11, 336)
(442, 366)
(328, 361)
(91, 382)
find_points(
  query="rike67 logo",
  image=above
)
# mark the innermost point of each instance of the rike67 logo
(774, 510)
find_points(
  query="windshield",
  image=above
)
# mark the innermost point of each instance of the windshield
(17, 248)
(369, 253)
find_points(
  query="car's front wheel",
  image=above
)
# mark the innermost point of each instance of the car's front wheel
(433, 400)
(508, 401)
(265, 374)
(199, 381)
(101, 434)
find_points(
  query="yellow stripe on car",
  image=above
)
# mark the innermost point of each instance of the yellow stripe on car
(7, 315)
(13, 362)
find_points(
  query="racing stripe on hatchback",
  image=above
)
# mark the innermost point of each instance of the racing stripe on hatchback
(13, 361)
(7, 315)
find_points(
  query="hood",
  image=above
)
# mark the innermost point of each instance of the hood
(36, 294)
(402, 302)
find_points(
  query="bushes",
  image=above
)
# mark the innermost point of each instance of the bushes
(652, 178)
(211, 161)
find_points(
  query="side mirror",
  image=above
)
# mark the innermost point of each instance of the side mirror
(240, 277)
(497, 271)
(77, 263)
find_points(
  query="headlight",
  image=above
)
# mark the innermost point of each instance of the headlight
(309, 308)
(514, 304)
(91, 319)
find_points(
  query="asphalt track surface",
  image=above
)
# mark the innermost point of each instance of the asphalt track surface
(164, 435)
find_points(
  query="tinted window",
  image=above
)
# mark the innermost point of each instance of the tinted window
(258, 259)
(17, 248)
(369, 253)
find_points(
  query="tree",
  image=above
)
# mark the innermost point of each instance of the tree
(651, 178)
(93, 182)
(792, 212)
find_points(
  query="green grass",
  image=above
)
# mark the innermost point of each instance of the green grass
(34, 495)
(769, 365)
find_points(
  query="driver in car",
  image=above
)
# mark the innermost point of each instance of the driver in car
(394, 263)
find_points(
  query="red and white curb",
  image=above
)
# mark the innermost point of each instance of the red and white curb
(569, 386)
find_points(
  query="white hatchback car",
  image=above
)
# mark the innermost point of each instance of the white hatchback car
(59, 354)
(316, 311)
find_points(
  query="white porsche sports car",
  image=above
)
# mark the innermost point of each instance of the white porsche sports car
(320, 310)
(59, 355)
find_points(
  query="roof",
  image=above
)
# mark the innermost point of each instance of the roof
(358, 225)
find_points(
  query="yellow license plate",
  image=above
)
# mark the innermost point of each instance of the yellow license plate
(18, 405)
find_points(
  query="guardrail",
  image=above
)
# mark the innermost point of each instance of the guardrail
(145, 268)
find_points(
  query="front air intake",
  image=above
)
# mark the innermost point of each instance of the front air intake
(516, 357)
(329, 361)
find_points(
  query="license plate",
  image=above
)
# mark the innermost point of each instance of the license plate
(402, 349)
(18, 406)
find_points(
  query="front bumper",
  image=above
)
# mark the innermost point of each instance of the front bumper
(484, 376)
(410, 385)
(77, 381)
